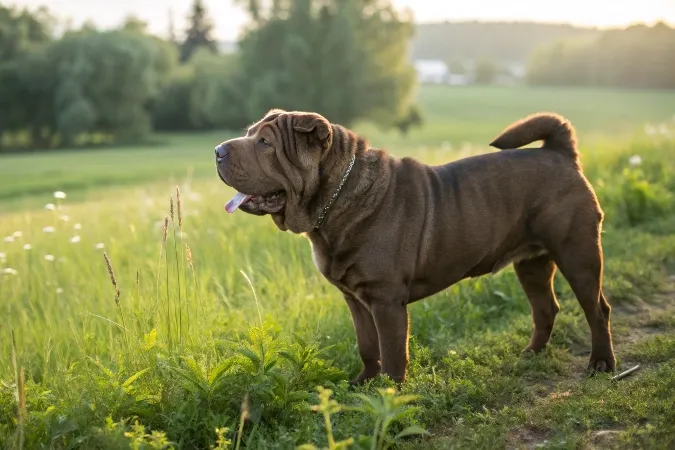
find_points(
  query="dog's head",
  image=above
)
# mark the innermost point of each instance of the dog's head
(275, 167)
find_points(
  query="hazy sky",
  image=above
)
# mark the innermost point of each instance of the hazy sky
(229, 19)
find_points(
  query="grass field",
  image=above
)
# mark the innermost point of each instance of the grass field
(244, 318)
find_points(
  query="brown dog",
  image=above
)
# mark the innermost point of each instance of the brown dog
(387, 232)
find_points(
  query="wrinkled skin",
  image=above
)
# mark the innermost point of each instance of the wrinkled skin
(401, 231)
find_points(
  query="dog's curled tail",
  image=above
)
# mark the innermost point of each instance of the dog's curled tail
(557, 133)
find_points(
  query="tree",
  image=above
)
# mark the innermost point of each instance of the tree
(26, 79)
(485, 72)
(199, 33)
(344, 59)
(638, 56)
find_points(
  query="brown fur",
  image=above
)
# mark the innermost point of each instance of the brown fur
(401, 231)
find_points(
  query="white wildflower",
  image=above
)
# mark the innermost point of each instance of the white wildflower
(99, 246)
(17, 234)
(59, 194)
(64, 217)
(9, 238)
(635, 160)
(48, 230)
(49, 257)
(77, 226)
(50, 206)
(2, 256)
(75, 239)
(59, 290)
(10, 271)
(27, 247)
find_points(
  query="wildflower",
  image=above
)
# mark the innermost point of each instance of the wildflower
(9, 238)
(50, 207)
(77, 226)
(49, 257)
(59, 194)
(100, 246)
(75, 239)
(27, 247)
(17, 234)
(3, 257)
(48, 230)
(59, 290)
(9, 271)
(635, 160)
(65, 218)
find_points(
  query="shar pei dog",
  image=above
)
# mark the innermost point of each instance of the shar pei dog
(389, 231)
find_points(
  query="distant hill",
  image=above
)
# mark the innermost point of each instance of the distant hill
(499, 41)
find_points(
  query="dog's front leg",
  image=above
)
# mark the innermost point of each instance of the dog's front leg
(366, 336)
(391, 320)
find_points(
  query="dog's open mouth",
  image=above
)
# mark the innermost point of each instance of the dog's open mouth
(257, 204)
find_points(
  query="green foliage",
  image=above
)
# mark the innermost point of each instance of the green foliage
(637, 57)
(345, 60)
(499, 41)
(486, 71)
(202, 94)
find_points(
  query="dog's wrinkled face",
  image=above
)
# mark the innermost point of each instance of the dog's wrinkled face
(275, 167)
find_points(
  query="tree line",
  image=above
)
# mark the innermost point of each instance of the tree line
(636, 57)
(346, 59)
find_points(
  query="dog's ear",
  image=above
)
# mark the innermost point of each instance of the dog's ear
(314, 123)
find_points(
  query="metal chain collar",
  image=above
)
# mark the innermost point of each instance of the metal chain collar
(322, 216)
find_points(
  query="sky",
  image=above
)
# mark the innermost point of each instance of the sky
(230, 19)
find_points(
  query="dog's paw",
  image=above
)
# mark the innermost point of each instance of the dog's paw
(601, 365)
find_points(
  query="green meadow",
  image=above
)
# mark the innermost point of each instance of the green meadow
(217, 332)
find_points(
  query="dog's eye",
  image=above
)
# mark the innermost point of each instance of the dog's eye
(263, 141)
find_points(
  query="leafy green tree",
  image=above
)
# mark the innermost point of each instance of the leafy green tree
(344, 59)
(112, 75)
(26, 81)
(199, 32)
(638, 57)
(202, 94)
(485, 72)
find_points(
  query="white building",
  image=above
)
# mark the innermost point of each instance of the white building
(431, 71)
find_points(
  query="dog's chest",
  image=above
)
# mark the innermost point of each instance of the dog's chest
(331, 267)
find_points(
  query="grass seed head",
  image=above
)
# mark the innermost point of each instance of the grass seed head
(166, 228)
(188, 256)
(178, 208)
(113, 280)
(171, 206)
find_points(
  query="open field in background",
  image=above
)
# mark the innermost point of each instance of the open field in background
(199, 338)
(452, 116)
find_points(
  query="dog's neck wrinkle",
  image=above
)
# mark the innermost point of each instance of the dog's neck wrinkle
(357, 195)
(335, 165)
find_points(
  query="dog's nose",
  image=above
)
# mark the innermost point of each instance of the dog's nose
(221, 151)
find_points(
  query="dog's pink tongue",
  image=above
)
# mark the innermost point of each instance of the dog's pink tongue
(236, 202)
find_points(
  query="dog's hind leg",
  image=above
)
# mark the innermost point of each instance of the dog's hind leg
(580, 261)
(536, 278)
